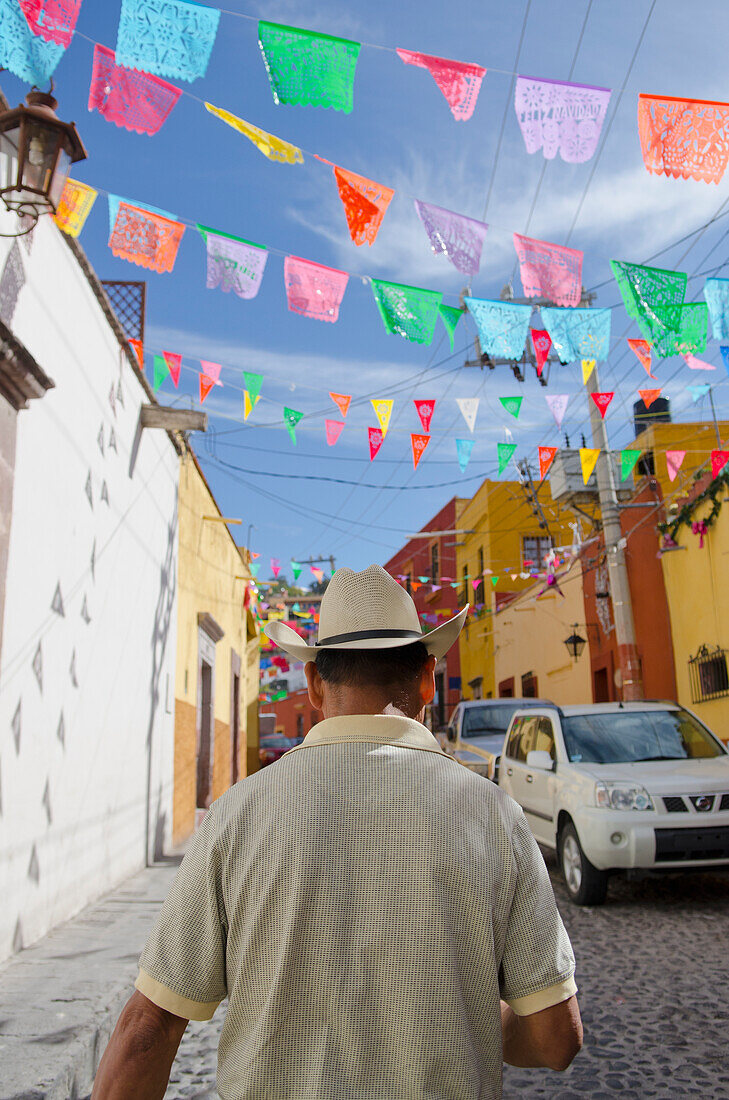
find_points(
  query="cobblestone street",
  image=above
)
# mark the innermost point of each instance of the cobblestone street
(653, 974)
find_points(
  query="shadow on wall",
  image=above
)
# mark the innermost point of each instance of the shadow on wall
(160, 635)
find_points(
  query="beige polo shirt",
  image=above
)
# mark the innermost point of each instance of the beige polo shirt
(363, 903)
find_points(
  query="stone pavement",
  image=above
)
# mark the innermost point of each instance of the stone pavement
(60, 998)
(653, 976)
(652, 968)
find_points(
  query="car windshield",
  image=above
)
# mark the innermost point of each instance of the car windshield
(625, 737)
(478, 721)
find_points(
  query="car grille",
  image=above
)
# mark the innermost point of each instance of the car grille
(674, 845)
(680, 804)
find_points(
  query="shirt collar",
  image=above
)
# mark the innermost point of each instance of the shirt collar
(383, 729)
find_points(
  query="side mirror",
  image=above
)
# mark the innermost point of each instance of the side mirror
(539, 758)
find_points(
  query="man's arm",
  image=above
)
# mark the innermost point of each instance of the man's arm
(548, 1038)
(137, 1062)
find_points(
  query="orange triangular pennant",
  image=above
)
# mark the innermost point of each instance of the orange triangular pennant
(419, 443)
(136, 346)
(643, 350)
(341, 400)
(546, 457)
(365, 203)
(649, 396)
(206, 384)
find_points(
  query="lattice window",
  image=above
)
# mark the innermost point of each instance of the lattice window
(709, 675)
(129, 300)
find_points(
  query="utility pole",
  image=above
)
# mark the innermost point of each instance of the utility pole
(628, 660)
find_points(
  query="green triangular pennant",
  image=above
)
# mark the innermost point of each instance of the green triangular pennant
(309, 68)
(291, 419)
(161, 370)
(408, 311)
(254, 567)
(494, 581)
(512, 405)
(252, 383)
(628, 460)
(296, 569)
(506, 450)
(450, 316)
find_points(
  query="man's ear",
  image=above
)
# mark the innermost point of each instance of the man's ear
(427, 680)
(314, 684)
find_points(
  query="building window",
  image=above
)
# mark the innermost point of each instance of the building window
(480, 595)
(409, 583)
(528, 686)
(434, 563)
(465, 585)
(299, 725)
(708, 673)
(476, 687)
(535, 550)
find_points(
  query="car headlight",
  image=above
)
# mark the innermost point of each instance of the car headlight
(622, 796)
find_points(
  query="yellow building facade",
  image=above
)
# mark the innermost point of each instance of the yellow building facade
(529, 635)
(505, 533)
(217, 669)
(695, 577)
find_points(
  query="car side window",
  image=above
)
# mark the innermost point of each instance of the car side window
(545, 737)
(527, 739)
(513, 742)
(452, 728)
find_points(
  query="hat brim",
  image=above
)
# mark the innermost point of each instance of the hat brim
(437, 642)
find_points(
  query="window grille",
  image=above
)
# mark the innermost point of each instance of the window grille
(434, 567)
(708, 674)
(528, 686)
(128, 300)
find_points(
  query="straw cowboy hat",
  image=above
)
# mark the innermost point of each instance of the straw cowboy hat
(367, 610)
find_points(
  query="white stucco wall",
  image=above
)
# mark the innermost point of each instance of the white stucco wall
(74, 806)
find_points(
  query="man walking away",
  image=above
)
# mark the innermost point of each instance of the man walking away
(379, 917)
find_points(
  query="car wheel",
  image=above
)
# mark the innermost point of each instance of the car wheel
(585, 884)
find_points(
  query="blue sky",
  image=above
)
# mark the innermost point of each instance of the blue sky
(401, 133)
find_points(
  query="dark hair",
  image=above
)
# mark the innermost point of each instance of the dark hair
(399, 667)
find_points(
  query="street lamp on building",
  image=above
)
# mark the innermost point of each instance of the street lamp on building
(36, 151)
(575, 644)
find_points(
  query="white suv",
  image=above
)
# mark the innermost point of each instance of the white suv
(615, 786)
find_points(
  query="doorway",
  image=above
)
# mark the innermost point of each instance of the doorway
(601, 686)
(202, 800)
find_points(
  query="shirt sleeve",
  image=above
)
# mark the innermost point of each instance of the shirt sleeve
(182, 966)
(537, 966)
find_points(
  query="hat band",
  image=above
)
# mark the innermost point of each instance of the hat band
(363, 635)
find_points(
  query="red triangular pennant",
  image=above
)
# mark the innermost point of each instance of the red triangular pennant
(136, 346)
(542, 342)
(341, 400)
(425, 412)
(649, 396)
(602, 400)
(174, 364)
(206, 384)
(365, 203)
(546, 457)
(719, 460)
(419, 443)
(375, 437)
(643, 350)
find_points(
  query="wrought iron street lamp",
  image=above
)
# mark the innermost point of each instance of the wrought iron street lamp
(36, 151)
(575, 644)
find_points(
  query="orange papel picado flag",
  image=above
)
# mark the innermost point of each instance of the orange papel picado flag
(419, 443)
(365, 203)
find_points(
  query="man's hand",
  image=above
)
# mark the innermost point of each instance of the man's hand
(137, 1062)
(548, 1038)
